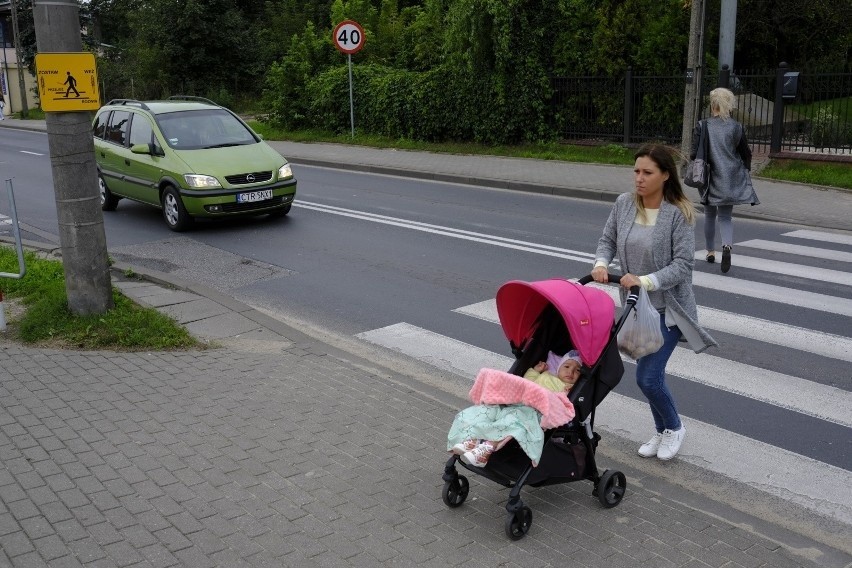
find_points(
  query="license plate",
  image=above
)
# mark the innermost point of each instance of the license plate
(254, 196)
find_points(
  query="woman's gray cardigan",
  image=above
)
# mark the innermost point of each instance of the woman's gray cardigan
(674, 255)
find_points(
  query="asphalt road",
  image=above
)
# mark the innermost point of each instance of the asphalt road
(368, 257)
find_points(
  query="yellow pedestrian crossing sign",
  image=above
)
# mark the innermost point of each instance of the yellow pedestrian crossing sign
(67, 82)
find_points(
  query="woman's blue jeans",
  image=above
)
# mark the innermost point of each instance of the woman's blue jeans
(651, 378)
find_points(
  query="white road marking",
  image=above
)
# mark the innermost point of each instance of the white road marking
(791, 476)
(787, 268)
(772, 293)
(821, 236)
(31, 153)
(451, 232)
(769, 292)
(438, 350)
(786, 248)
(794, 337)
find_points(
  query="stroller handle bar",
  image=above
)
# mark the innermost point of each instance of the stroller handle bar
(632, 297)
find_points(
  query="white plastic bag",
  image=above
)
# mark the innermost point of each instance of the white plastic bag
(641, 334)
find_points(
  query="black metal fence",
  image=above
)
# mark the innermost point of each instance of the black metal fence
(813, 114)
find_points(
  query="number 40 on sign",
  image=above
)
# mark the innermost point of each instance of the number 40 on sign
(348, 37)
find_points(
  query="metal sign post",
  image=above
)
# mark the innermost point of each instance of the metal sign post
(348, 38)
(16, 232)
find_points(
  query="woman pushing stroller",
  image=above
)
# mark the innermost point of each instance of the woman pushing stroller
(480, 430)
(651, 231)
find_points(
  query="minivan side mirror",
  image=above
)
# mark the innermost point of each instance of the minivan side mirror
(141, 149)
(152, 149)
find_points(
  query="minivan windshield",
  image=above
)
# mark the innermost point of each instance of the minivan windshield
(206, 128)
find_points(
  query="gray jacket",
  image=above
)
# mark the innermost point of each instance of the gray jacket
(730, 161)
(674, 256)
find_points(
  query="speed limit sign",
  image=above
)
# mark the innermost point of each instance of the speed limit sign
(348, 37)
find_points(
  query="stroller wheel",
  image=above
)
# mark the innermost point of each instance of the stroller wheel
(610, 489)
(455, 491)
(518, 523)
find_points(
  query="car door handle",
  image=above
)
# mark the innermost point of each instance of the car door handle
(126, 162)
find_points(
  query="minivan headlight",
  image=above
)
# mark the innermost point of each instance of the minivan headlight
(201, 182)
(285, 172)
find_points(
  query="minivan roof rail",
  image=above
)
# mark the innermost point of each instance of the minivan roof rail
(191, 98)
(128, 101)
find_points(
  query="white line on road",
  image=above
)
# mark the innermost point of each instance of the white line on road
(451, 232)
(788, 269)
(786, 248)
(819, 343)
(785, 391)
(31, 153)
(772, 293)
(765, 467)
(769, 292)
(821, 236)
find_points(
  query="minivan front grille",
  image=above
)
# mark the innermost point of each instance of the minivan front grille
(254, 177)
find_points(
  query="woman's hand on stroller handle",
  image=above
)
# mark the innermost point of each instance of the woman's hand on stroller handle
(610, 279)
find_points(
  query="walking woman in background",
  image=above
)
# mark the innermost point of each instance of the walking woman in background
(652, 231)
(730, 182)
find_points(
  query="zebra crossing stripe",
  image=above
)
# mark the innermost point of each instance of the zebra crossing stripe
(773, 470)
(787, 269)
(790, 336)
(777, 294)
(785, 391)
(786, 248)
(438, 350)
(794, 477)
(836, 238)
(793, 393)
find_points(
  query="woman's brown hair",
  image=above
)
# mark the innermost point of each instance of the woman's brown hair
(664, 157)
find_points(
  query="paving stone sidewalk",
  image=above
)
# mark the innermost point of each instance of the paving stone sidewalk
(288, 456)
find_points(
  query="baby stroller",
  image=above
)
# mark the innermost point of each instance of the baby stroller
(555, 315)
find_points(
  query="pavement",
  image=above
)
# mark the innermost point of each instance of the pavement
(277, 446)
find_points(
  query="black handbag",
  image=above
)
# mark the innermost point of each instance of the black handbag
(697, 173)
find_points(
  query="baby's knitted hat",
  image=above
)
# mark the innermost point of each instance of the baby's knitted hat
(573, 354)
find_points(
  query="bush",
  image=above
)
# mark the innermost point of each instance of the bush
(827, 131)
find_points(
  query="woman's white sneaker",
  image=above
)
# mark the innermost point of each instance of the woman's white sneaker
(670, 444)
(649, 449)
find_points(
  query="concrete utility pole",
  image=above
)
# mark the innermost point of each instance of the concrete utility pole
(75, 177)
(692, 100)
(727, 33)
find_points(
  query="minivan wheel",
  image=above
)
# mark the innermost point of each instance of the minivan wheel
(174, 212)
(108, 201)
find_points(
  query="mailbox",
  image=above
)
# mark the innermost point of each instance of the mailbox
(790, 90)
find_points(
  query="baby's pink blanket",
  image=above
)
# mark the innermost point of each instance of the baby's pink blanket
(498, 387)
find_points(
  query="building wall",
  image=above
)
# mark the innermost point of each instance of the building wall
(10, 86)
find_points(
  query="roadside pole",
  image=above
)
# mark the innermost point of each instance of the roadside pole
(72, 157)
(692, 100)
(348, 38)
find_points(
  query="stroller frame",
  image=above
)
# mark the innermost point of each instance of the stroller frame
(574, 443)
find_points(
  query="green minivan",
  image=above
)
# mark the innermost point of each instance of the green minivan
(190, 157)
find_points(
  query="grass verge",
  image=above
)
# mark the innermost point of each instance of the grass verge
(819, 173)
(47, 321)
(614, 154)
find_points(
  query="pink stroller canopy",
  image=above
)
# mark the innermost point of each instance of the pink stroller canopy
(588, 313)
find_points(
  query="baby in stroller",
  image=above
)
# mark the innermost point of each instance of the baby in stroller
(480, 430)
